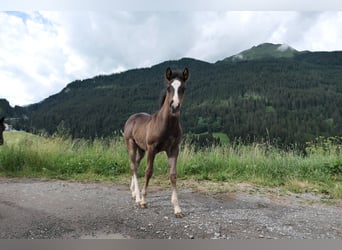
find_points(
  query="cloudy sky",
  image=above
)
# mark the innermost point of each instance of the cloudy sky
(42, 51)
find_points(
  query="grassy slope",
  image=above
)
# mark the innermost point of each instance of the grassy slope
(56, 157)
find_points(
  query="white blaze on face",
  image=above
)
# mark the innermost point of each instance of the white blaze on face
(175, 84)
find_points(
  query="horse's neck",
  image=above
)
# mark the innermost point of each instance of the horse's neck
(166, 119)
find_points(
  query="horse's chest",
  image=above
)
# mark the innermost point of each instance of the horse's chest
(164, 138)
(167, 143)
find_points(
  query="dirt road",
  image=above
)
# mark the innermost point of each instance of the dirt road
(58, 209)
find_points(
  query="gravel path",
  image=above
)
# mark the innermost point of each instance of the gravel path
(31, 208)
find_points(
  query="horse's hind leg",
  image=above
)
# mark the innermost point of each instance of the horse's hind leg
(132, 151)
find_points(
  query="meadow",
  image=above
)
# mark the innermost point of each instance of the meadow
(106, 159)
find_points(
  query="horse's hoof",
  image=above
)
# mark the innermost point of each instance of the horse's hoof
(143, 205)
(179, 215)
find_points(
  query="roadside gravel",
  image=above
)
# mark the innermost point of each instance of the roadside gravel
(53, 209)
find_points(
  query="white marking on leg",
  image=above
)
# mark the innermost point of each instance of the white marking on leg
(174, 200)
(132, 188)
(136, 188)
(143, 195)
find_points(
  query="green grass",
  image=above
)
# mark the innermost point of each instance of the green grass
(25, 154)
(319, 171)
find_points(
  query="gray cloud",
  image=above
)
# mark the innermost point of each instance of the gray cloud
(50, 49)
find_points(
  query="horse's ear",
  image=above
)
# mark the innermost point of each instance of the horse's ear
(2, 119)
(186, 74)
(168, 74)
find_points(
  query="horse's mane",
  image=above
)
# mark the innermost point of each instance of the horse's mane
(162, 97)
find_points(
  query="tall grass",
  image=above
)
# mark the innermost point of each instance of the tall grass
(25, 154)
(262, 164)
(320, 170)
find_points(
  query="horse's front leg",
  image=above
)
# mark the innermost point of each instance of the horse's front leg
(172, 156)
(148, 174)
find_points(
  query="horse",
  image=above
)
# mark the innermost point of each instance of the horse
(2, 129)
(155, 133)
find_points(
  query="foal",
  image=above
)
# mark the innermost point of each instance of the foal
(155, 133)
(2, 128)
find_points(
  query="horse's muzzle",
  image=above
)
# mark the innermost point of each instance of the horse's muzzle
(174, 108)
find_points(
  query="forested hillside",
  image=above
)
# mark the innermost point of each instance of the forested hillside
(14, 116)
(290, 99)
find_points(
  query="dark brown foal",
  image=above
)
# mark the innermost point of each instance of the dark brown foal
(2, 129)
(155, 133)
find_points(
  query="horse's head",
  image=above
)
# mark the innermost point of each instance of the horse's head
(176, 82)
(2, 128)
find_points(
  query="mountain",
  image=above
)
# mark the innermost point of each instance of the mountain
(13, 115)
(100, 105)
(5, 108)
(263, 51)
(288, 100)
